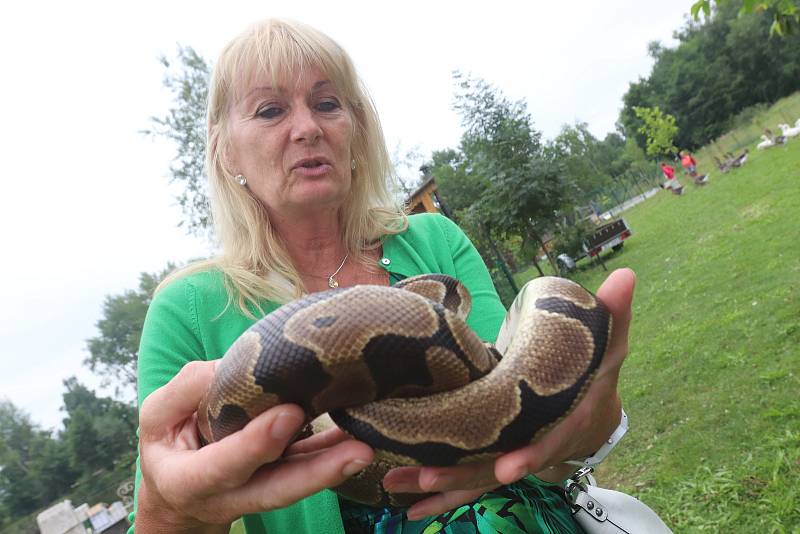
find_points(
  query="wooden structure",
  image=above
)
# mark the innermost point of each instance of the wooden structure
(426, 199)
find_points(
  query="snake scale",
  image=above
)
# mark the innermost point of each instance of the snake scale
(398, 368)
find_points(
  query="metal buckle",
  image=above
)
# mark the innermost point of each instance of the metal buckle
(574, 485)
(578, 496)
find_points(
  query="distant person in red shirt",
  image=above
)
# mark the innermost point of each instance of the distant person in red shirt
(690, 164)
(672, 183)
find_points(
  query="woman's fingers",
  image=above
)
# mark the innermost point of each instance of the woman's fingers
(230, 462)
(548, 451)
(175, 401)
(578, 435)
(453, 486)
(443, 502)
(617, 294)
(616, 291)
(271, 486)
(298, 476)
(184, 474)
(323, 440)
(439, 479)
(245, 472)
(403, 480)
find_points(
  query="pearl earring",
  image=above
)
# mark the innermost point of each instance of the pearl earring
(242, 180)
(352, 164)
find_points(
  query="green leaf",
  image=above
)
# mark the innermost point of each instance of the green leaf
(748, 6)
(776, 27)
(696, 7)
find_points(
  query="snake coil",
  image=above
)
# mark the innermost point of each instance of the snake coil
(398, 368)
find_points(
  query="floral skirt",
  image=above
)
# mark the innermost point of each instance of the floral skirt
(527, 506)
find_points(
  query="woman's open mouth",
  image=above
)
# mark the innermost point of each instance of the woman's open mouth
(312, 167)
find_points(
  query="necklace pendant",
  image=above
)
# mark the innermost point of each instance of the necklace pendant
(332, 283)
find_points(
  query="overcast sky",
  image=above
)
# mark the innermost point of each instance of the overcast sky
(85, 204)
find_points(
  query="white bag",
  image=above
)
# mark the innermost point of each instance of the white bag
(600, 511)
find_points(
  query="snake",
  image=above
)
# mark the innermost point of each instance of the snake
(398, 368)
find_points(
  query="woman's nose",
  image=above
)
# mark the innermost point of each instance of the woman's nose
(305, 127)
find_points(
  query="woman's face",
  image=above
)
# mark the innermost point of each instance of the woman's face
(292, 143)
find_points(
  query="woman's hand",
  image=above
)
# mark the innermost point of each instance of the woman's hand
(578, 435)
(188, 488)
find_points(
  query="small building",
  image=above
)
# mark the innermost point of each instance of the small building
(426, 199)
(62, 518)
(109, 519)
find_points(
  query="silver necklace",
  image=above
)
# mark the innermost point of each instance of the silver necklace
(332, 282)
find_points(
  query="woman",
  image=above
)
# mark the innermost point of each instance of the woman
(301, 198)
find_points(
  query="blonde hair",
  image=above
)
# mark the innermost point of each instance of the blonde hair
(253, 260)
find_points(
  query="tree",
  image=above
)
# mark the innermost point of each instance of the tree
(115, 352)
(85, 447)
(37, 467)
(99, 431)
(459, 187)
(34, 468)
(17, 486)
(51, 469)
(719, 68)
(659, 129)
(185, 124)
(524, 187)
(406, 163)
(785, 13)
(590, 163)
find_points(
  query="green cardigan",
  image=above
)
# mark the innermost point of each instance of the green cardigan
(190, 319)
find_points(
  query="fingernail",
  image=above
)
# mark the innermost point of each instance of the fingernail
(399, 487)
(354, 467)
(285, 425)
(414, 514)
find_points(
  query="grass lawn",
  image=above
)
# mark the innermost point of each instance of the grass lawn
(712, 382)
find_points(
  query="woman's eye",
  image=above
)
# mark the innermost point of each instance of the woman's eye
(327, 106)
(269, 112)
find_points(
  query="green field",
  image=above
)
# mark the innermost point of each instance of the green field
(712, 382)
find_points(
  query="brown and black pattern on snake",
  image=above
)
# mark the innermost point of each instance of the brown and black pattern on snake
(343, 348)
(530, 390)
(448, 399)
(440, 288)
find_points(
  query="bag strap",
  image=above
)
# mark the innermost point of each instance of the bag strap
(578, 497)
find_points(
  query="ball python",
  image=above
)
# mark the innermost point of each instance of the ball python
(399, 369)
